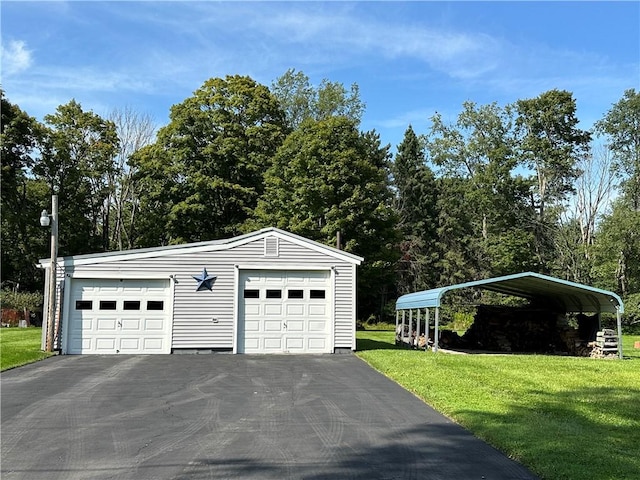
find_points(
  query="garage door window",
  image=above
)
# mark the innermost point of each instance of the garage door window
(84, 304)
(274, 293)
(295, 294)
(316, 294)
(131, 305)
(252, 294)
(107, 304)
(155, 305)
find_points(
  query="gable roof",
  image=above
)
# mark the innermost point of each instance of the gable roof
(207, 246)
(570, 296)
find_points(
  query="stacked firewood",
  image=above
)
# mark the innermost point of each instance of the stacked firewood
(605, 345)
(508, 329)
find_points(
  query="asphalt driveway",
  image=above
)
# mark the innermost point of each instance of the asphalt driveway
(228, 416)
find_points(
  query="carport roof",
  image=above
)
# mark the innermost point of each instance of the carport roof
(572, 297)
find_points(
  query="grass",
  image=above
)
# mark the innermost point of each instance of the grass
(563, 417)
(627, 346)
(19, 346)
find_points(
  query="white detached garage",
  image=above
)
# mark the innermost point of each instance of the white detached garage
(269, 291)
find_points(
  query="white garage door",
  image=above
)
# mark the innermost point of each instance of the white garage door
(119, 316)
(284, 312)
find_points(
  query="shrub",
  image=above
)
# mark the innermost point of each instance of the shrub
(21, 300)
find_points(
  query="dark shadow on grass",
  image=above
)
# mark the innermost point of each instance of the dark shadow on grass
(364, 344)
(567, 434)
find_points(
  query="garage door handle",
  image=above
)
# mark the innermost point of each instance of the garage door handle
(284, 324)
(119, 323)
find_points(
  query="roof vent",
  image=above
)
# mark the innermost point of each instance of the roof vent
(271, 247)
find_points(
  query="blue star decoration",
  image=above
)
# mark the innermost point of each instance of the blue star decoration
(205, 281)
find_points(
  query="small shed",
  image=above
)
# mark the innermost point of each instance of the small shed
(564, 296)
(268, 291)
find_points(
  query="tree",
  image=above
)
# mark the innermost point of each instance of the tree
(301, 101)
(550, 144)
(480, 198)
(77, 160)
(135, 130)
(204, 174)
(617, 246)
(617, 249)
(416, 207)
(327, 178)
(621, 125)
(23, 240)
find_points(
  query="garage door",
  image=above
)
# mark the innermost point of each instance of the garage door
(284, 312)
(119, 316)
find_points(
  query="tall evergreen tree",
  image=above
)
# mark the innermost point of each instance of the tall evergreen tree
(416, 206)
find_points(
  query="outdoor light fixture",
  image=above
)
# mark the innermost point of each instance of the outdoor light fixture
(45, 221)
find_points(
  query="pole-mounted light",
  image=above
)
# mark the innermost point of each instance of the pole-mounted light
(45, 221)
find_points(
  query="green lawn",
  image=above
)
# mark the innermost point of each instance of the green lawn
(563, 417)
(19, 346)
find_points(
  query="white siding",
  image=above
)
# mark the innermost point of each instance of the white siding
(205, 319)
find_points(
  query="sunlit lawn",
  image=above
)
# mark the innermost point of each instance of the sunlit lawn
(19, 346)
(563, 417)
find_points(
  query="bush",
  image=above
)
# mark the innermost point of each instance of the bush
(631, 315)
(17, 306)
(21, 300)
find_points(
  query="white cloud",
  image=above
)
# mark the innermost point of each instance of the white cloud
(457, 54)
(15, 57)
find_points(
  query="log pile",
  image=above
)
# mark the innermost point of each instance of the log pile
(508, 329)
(605, 345)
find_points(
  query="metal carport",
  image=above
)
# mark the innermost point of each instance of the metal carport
(568, 296)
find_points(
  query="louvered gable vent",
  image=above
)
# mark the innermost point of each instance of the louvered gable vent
(271, 247)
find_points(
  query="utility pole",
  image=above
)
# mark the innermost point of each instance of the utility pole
(45, 220)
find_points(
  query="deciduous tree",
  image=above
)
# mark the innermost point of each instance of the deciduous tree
(204, 174)
(621, 125)
(300, 100)
(327, 178)
(77, 160)
(550, 144)
(23, 240)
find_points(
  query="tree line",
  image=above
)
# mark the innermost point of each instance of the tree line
(498, 190)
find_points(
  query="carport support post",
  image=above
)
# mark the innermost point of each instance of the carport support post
(435, 333)
(619, 320)
(418, 322)
(397, 320)
(410, 327)
(426, 328)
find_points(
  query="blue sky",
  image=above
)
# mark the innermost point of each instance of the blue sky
(410, 59)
